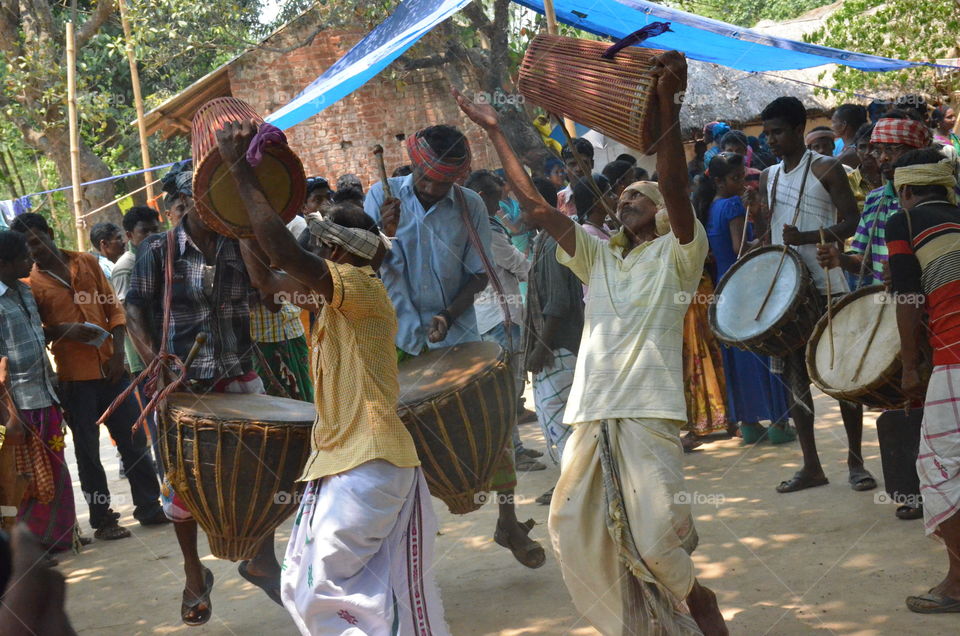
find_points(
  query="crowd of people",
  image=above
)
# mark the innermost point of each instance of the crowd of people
(598, 284)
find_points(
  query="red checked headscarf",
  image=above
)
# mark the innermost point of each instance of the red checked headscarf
(435, 167)
(901, 131)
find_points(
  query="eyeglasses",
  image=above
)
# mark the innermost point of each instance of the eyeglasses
(878, 149)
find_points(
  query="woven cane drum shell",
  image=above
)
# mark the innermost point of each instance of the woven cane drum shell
(866, 359)
(234, 460)
(459, 404)
(789, 316)
(215, 192)
(567, 76)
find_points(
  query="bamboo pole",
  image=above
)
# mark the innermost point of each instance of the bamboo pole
(568, 126)
(137, 98)
(74, 136)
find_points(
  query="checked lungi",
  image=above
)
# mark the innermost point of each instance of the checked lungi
(938, 462)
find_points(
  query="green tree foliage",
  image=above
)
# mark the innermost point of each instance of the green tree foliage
(748, 12)
(905, 29)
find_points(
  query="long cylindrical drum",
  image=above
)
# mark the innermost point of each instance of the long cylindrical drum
(866, 366)
(217, 200)
(234, 461)
(460, 405)
(568, 76)
(789, 315)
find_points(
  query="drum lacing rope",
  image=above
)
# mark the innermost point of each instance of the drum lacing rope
(152, 373)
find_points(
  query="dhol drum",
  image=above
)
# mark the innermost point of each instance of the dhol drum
(215, 192)
(866, 351)
(459, 404)
(789, 315)
(234, 460)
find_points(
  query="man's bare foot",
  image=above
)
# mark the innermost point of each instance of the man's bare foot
(949, 588)
(704, 609)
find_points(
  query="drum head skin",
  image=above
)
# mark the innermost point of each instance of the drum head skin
(741, 291)
(445, 370)
(281, 177)
(239, 407)
(853, 321)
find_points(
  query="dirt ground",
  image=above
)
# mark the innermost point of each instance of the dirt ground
(827, 560)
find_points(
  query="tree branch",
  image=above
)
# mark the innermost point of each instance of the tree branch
(96, 20)
(474, 12)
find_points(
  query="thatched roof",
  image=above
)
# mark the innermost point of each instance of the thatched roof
(717, 93)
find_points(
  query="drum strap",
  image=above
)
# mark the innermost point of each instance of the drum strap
(487, 265)
(803, 187)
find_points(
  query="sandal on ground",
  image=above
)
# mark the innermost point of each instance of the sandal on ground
(733, 429)
(530, 554)
(529, 452)
(752, 433)
(190, 612)
(932, 603)
(861, 480)
(909, 512)
(801, 482)
(269, 584)
(111, 532)
(781, 433)
(690, 442)
(528, 464)
(545, 498)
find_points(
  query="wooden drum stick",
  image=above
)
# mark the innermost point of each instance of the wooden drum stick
(378, 155)
(826, 272)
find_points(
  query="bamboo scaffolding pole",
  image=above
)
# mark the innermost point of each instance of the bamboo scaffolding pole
(137, 98)
(569, 128)
(74, 137)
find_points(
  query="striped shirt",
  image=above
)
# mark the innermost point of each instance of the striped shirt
(925, 259)
(280, 326)
(630, 359)
(879, 206)
(22, 342)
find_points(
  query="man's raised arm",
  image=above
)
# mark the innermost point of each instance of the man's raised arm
(671, 74)
(555, 223)
(272, 233)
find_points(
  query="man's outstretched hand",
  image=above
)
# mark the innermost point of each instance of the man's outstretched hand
(482, 115)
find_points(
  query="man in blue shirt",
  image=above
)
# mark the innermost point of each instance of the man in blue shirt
(433, 272)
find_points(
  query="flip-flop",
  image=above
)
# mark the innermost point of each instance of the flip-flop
(270, 585)
(190, 607)
(909, 512)
(111, 532)
(801, 482)
(529, 452)
(861, 480)
(545, 498)
(931, 603)
(531, 555)
(690, 443)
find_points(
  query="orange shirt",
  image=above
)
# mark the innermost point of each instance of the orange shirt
(88, 298)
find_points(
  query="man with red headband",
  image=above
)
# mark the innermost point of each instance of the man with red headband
(433, 272)
(894, 135)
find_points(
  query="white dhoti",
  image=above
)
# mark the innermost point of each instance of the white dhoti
(360, 556)
(621, 527)
(938, 461)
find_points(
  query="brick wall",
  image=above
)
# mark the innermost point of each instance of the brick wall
(338, 140)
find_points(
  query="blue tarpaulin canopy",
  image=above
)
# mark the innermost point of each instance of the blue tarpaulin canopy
(699, 38)
(708, 40)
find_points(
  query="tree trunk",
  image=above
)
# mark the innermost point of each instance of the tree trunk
(54, 143)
